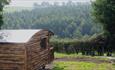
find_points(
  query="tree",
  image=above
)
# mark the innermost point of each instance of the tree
(63, 20)
(2, 3)
(104, 12)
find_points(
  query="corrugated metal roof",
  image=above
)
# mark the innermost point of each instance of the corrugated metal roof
(16, 36)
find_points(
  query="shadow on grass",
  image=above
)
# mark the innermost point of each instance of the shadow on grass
(58, 68)
(113, 65)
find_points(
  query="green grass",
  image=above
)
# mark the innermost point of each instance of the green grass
(69, 65)
(80, 65)
(62, 55)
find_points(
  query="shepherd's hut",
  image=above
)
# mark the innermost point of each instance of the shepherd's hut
(25, 49)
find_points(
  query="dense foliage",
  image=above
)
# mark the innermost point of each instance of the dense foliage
(94, 45)
(2, 3)
(104, 12)
(68, 20)
(72, 23)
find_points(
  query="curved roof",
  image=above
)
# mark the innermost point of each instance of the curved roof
(16, 36)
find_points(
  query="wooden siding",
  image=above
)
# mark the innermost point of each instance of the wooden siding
(12, 56)
(26, 56)
(38, 56)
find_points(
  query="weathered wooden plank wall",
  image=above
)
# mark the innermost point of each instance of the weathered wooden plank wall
(12, 57)
(26, 56)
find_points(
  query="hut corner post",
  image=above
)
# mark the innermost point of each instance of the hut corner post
(51, 54)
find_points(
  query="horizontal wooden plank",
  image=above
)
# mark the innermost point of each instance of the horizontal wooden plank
(12, 49)
(11, 57)
(11, 66)
(12, 45)
(10, 62)
(15, 53)
(34, 48)
(33, 42)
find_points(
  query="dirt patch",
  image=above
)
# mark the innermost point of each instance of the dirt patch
(77, 59)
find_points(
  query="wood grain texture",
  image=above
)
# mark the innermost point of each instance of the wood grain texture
(26, 56)
(12, 56)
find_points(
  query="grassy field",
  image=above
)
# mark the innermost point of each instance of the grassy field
(62, 55)
(81, 65)
(70, 65)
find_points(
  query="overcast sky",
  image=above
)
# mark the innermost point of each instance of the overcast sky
(29, 3)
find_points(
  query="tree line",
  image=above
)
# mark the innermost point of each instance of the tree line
(71, 20)
(2, 3)
(74, 28)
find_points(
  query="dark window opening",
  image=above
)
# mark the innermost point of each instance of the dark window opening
(43, 43)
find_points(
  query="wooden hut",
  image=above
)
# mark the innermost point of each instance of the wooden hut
(25, 49)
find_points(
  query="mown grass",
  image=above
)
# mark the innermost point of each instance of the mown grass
(70, 65)
(80, 65)
(63, 55)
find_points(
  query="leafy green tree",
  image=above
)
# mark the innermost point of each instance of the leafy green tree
(2, 3)
(104, 12)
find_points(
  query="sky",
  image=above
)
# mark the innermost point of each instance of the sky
(29, 3)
